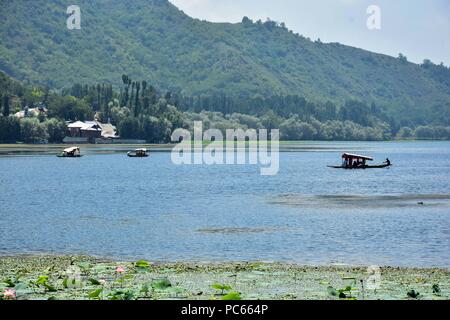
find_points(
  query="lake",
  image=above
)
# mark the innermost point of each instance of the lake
(106, 204)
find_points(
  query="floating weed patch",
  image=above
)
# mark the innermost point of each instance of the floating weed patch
(90, 278)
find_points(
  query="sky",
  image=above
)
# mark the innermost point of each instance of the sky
(419, 29)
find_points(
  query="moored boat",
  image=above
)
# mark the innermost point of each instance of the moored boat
(72, 152)
(138, 153)
(355, 161)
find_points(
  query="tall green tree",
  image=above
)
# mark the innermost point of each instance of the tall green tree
(56, 130)
(5, 104)
(32, 131)
(9, 129)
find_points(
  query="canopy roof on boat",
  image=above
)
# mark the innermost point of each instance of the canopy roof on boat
(356, 156)
(71, 149)
(141, 150)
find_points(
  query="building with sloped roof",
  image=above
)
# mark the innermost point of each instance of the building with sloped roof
(89, 131)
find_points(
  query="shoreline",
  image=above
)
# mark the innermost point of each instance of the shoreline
(23, 149)
(169, 145)
(194, 281)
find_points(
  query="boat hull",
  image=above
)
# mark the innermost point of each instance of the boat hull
(381, 166)
(60, 156)
(135, 156)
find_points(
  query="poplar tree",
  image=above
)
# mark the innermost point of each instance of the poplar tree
(5, 103)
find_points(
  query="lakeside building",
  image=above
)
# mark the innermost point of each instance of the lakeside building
(90, 132)
(31, 112)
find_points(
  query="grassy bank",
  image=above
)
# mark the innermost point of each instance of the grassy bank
(76, 277)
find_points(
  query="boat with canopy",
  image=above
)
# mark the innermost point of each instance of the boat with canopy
(138, 153)
(72, 152)
(356, 161)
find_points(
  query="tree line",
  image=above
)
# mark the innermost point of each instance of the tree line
(140, 111)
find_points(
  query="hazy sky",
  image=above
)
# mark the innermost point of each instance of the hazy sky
(419, 29)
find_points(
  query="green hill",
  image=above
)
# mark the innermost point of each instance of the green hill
(153, 40)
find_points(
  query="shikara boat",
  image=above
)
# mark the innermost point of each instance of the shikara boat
(138, 153)
(355, 161)
(72, 152)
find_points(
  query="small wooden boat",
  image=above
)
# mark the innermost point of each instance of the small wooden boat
(73, 152)
(380, 166)
(355, 161)
(138, 153)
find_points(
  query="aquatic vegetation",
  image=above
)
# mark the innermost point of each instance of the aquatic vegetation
(37, 277)
(94, 282)
(232, 296)
(71, 282)
(142, 264)
(145, 289)
(122, 295)
(436, 289)
(42, 282)
(9, 294)
(120, 270)
(84, 266)
(122, 279)
(358, 201)
(413, 294)
(95, 295)
(221, 287)
(347, 292)
(161, 284)
(344, 293)
(225, 292)
(9, 283)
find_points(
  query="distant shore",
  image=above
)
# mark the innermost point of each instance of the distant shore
(172, 144)
(284, 146)
(81, 277)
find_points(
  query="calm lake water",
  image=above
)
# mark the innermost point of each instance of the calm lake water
(106, 204)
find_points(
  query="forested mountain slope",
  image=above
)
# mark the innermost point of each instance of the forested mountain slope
(153, 40)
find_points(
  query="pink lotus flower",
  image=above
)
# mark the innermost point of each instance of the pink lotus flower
(120, 270)
(9, 294)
